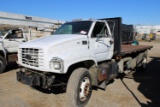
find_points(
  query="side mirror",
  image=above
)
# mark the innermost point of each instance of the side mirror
(98, 37)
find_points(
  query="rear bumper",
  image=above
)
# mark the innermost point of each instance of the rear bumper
(33, 78)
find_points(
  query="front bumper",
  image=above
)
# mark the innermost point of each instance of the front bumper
(33, 78)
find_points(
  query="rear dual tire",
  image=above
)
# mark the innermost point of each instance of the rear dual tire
(143, 66)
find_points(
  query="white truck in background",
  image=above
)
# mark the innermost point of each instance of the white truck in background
(9, 43)
(10, 40)
(81, 54)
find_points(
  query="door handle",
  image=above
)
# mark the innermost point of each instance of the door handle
(23, 41)
(111, 42)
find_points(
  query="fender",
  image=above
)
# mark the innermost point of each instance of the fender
(75, 56)
(84, 59)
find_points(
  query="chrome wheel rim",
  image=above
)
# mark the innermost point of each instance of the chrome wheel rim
(84, 89)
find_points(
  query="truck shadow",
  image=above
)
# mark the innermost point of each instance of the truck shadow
(149, 83)
(54, 90)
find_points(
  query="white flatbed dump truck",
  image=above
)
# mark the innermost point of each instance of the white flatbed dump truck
(80, 54)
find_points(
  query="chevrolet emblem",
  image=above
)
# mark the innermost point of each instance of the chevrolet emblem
(28, 57)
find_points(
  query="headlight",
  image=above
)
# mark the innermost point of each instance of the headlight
(56, 64)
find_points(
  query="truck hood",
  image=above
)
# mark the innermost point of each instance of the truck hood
(53, 40)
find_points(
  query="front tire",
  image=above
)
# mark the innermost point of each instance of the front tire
(79, 88)
(2, 64)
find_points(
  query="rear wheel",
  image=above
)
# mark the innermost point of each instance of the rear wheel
(2, 64)
(143, 66)
(79, 88)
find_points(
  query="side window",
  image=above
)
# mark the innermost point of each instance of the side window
(19, 34)
(100, 29)
(15, 34)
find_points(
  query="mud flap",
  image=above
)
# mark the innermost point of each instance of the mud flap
(103, 73)
(103, 76)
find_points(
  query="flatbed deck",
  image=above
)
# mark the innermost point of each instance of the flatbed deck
(127, 49)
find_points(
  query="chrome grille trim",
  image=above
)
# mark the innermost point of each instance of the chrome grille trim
(31, 56)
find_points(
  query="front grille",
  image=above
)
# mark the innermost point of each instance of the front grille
(30, 56)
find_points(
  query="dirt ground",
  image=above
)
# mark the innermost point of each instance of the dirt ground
(141, 89)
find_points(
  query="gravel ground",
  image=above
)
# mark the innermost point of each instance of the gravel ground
(142, 89)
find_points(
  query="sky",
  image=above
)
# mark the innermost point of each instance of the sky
(146, 12)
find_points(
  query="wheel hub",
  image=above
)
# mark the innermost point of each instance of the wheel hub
(84, 89)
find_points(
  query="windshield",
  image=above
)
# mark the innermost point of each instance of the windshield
(2, 33)
(81, 27)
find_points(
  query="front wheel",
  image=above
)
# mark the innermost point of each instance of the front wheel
(2, 64)
(79, 88)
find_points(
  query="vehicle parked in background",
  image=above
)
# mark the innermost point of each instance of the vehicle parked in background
(10, 40)
(81, 54)
(149, 37)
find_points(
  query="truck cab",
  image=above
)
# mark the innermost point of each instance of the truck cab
(89, 41)
(99, 38)
(9, 43)
(12, 40)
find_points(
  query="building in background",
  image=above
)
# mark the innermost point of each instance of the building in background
(33, 26)
(147, 29)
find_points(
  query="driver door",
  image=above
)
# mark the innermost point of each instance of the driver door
(13, 40)
(102, 43)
